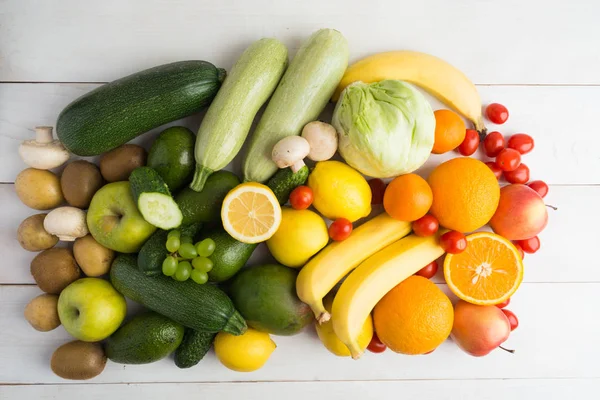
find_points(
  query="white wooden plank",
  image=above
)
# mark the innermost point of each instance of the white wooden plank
(557, 338)
(522, 389)
(532, 41)
(564, 257)
(559, 118)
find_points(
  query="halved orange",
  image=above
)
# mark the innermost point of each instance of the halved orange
(251, 213)
(488, 272)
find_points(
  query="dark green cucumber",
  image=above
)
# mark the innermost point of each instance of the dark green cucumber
(117, 112)
(194, 347)
(205, 206)
(200, 307)
(153, 252)
(147, 338)
(284, 181)
(229, 257)
(153, 198)
(172, 156)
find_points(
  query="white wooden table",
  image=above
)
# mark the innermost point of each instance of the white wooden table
(539, 58)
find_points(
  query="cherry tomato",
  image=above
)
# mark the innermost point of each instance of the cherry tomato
(340, 229)
(512, 318)
(453, 242)
(530, 245)
(508, 160)
(519, 175)
(493, 144)
(470, 144)
(375, 346)
(429, 270)
(377, 190)
(497, 171)
(540, 187)
(496, 113)
(427, 225)
(504, 303)
(520, 250)
(301, 198)
(521, 142)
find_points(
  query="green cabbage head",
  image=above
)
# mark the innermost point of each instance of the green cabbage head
(385, 128)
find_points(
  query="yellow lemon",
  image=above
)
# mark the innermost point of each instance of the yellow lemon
(244, 353)
(330, 339)
(339, 191)
(301, 235)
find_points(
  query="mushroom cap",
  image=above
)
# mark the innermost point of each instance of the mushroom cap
(322, 138)
(68, 223)
(290, 150)
(43, 155)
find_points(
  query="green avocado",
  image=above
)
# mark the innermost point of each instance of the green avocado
(229, 257)
(172, 156)
(205, 206)
(266, 297)
(147, 338)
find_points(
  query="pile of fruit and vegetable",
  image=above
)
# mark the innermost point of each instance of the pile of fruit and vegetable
(355, 233)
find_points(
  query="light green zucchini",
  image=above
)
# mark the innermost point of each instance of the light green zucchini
(225, 127)
(301, 96)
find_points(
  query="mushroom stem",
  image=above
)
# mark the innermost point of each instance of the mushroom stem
(297, 165)
(43, 134)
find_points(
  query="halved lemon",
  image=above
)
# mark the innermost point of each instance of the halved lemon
(488, 272)
(251, 213)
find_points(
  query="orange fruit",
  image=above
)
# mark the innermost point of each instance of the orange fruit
(465, 194)
(488, 272)
(407, 198)
(450, 131)
(415, 317)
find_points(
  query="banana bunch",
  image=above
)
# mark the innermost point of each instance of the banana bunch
(434, 75)
(372, 279)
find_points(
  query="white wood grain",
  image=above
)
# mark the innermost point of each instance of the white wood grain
(515, 41)
(559, 118)
(568, 244)
(493, 389)
(557, 338)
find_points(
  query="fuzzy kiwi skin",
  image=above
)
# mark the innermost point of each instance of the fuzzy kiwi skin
(117, 164)
(42, 312)
(54, 269)
(79, 182)
(78, 360)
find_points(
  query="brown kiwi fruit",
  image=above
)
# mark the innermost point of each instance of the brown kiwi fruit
(42, 312)
(93, 258)
(79, 182)
(78, 360)
(32, 236)
(54, 269)
(117, 164)
(39, 189)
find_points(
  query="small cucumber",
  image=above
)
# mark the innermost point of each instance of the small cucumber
(285, 181)
(248, 86)
(147, 338)
(153, 198)
(153, 252)
(205, 206)
(172, 156)
(300, 97)
(194, 347)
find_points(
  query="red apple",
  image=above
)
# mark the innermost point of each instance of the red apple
(479, 329)
(521, 213)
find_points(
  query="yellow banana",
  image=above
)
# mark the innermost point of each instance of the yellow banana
(373, 278)
(433, 74)
(336, 260)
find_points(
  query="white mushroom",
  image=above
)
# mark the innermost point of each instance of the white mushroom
(68, 223)
(290, 152)
(322, 139)
(44, 152)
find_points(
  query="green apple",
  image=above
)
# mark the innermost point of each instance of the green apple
(114, 220)
(91, 309)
